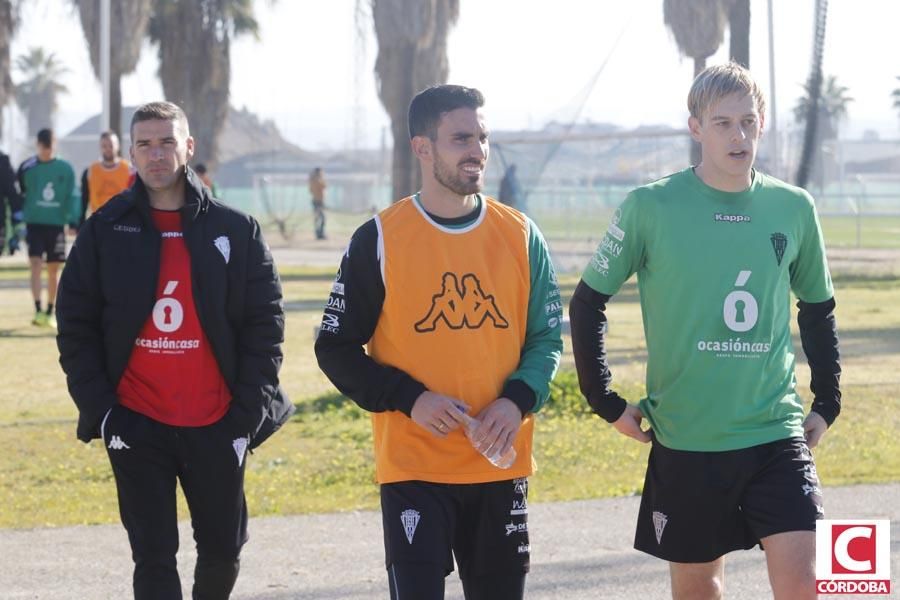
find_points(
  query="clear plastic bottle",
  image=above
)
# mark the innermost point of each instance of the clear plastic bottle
(501, 461)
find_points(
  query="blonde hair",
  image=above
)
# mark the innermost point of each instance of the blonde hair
(718, 81)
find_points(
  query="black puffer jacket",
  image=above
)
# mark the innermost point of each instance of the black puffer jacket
(108, 289)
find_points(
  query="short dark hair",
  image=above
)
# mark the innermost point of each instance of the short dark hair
(109, 134)
(200, 168)
(160, 111)
(45, 138)
(430, 104)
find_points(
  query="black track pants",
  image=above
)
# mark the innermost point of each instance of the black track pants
(147, 458)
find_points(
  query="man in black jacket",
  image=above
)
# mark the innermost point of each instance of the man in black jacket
(9, 196)
(170, 329)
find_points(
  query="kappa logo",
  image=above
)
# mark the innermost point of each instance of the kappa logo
(410, 519)
(223, 245)
(659, 524)
(722, 218)
(116, 443)
(465, 306)
(779, 245)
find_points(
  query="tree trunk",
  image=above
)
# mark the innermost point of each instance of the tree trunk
(814, 88)
(406, 178)
(696, 153)
(7, 28)
(115, 102)
(739, 31)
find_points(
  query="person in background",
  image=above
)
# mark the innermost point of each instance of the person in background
(48, 184)
(9, 199)
(106, 177)
(317, 187)
(511, 190)
(203, 172)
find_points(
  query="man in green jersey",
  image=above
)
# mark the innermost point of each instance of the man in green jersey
(48, 185)
(718, 248)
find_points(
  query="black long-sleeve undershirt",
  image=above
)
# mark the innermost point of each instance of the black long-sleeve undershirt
(818, 336)
(355, 304)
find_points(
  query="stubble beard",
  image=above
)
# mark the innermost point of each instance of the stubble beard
(455, 183)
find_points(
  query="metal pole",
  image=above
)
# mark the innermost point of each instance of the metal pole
(773, 120)
(104, 62)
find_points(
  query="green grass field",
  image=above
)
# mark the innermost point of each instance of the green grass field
(322, 460)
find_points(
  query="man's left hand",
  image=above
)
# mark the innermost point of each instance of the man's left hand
(814, 427)
(500, 422)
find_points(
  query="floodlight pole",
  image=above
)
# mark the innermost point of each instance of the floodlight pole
(773, 120)
(104, 62)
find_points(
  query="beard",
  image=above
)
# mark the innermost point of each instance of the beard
(453, 181)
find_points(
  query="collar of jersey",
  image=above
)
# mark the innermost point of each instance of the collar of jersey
(480, 211)
(720, 195)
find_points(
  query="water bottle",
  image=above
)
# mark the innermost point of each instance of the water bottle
(501, 461)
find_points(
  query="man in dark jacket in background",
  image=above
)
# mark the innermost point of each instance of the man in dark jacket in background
(9, 196)
(170, 329)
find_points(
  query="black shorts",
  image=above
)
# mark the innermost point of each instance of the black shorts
(698, 506)
(49, 240)
(485, 525)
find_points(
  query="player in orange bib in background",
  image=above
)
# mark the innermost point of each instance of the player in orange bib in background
(105, 177)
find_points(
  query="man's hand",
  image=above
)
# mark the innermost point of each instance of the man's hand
(437, 413)
(500, 422)
(814, 427)
(630, 424)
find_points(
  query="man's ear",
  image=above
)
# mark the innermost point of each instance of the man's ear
(189, 144)
(421, 147)
(694, 127)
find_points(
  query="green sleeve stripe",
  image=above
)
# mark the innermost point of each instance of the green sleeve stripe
(543, 345)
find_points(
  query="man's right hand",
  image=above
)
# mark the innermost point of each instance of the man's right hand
(437, 414)
(630, 424)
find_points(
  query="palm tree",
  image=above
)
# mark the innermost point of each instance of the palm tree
(896, 96)
(128, 25)
(813, 94)
(9, 21)
(37, 94)
(831, 110)
(832, 107)
(412, 55)
(698, 27)
(739, 31)
(194, 38)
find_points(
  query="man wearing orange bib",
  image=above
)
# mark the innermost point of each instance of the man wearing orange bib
(106, 177)
(454, 297)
